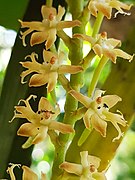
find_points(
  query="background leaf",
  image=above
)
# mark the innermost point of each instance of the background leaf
(11, 11)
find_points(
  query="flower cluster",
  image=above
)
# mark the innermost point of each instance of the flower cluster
(44, 122)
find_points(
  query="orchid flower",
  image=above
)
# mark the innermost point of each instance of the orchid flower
(48, 71)
(98, 114)
(39, 122)
(106, 6)
(47, 29)
(87, 170)
(102, 45)
(27, 173)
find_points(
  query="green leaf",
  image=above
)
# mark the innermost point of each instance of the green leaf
(11, 11)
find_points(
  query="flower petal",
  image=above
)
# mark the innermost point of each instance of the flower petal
(46, 11)
(61, 127)
(44, 104)
(98, 124)
(94, 161)
(105, 9)
(38, 80)
(47, 55)
(28, 174)
(67, 24)
(111, 100)
(85, 38)
(52, 81)
(87, 117)
(123, 54)
(97, 93)
(113, 42)
(27, 129)
(113, 117)
(92, 8)
(69, 69)
(110, 53)
(38, 37)
(33, 25)
(84, 158)
(81, 98)
(51, 38)
(97, 50)
(61, 11)
(72, 168)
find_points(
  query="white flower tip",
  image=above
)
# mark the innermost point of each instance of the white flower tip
(20, 21)
(131, 57)
(124, 13)
(118, 137)
(12, 120)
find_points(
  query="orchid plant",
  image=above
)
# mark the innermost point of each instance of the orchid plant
(94, 111)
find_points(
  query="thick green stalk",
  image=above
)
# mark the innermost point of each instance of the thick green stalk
(75, 55)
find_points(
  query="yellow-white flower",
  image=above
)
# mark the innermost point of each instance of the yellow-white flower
(102, 45)
(106, 6)
(39, 122)
(48, 71)
(47, 29)
(87, 170)
(98, 114)
(27, 173)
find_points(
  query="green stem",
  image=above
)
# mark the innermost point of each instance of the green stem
(49, 3)
(64, 37)
(87, 60)
(96, 75)
(64, 82)
(97, 24)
